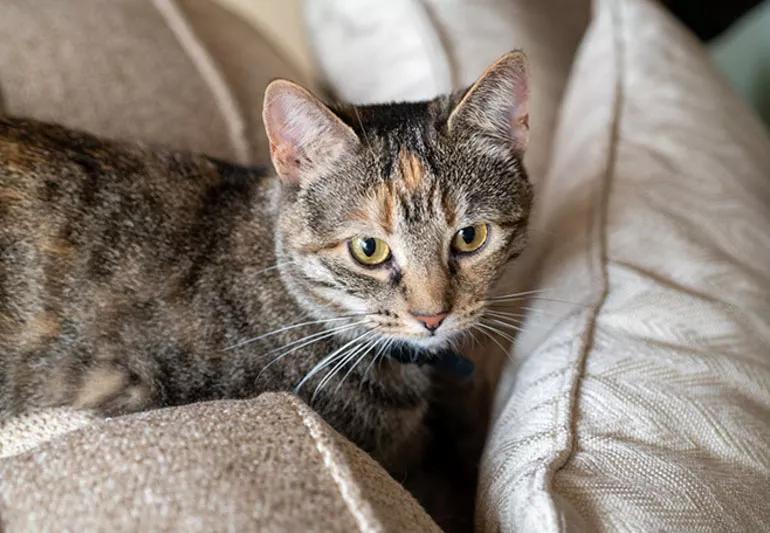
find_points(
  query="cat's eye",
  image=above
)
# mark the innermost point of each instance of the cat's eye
(369, 251)
(470, 238)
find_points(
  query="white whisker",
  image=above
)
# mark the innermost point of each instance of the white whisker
(530, 310)
(342, 361)
(382, 349)
(309, 339)
(292, 326)
(497, 330)
(326, 361)
(472, 335)
(372, 344)
(273, 267)
(493, 339)
(522, 293)
(514, 317)
(541, 311)
(506, 324)
(524, 298)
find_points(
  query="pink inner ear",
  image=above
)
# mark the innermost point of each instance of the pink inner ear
(287, 162)
(520, 122)
(304, 134)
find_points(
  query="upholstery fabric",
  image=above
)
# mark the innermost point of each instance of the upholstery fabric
(639, 396)
(162, 72)
(27, 431)
(269, 464)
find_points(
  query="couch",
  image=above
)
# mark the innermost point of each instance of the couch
(637, 395)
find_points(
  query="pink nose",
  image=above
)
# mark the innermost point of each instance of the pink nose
(431, 322)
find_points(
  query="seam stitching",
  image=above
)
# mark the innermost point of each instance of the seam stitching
(212, 76)
(341, 475)
(598, 230)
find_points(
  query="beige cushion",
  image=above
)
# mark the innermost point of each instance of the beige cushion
(269, 464)
(187, 74)
(283, 24)
(645, 404)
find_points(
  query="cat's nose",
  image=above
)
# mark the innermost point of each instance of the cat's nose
(430, 321)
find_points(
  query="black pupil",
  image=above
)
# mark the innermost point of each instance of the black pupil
(468, 234)
(368, 246)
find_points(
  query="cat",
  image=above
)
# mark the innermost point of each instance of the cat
(134, 278)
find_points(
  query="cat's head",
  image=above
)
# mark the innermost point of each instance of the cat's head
(401, 216)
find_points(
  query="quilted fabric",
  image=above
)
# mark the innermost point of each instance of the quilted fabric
(641, 402)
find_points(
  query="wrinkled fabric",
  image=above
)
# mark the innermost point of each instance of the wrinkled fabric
(641, 400)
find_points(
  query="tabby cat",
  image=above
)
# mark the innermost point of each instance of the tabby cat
(132, 278)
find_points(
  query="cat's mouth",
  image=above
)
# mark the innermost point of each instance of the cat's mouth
(418, 333)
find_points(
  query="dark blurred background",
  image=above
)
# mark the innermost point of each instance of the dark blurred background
(709, 18)
(737, 34)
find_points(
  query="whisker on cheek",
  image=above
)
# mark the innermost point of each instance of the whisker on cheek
(525, 298)
(512, 317)
(481, 328)
(372, 345)
(521, 293)
(292, 326)
(308, 340)
(497, 330)
(383, 349)
(349, 356)
(328, 360)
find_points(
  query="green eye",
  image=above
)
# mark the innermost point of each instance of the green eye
(470, 238)
(369, 251)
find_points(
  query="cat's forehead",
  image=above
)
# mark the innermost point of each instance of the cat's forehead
(409, 175)
(410, 195)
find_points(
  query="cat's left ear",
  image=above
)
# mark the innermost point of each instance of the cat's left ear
(497, 105)
(306, 138)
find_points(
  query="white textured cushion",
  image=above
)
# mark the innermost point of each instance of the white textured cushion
(373, 51)
(645, 405)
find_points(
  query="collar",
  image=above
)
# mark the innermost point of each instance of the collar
(446, 360)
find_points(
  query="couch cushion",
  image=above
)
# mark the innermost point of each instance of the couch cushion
(643, 405)
(186, 74)
(269, 464)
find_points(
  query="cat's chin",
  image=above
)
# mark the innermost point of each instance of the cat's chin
(433, 343)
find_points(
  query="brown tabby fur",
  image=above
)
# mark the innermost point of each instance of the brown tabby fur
(132, 277)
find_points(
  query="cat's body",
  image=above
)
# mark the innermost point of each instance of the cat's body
(133, 278)
(127, 273)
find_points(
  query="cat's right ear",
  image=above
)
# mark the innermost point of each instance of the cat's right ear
(305, 137)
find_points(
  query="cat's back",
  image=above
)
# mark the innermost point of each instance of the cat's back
(61, 184)
(46, 166)
(85, 220)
